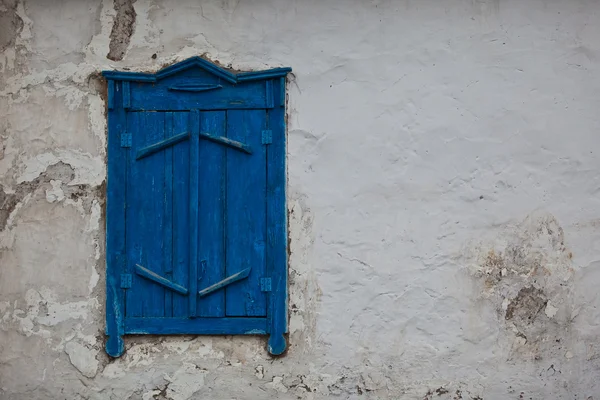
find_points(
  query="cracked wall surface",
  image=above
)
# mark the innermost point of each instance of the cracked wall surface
(443, 174)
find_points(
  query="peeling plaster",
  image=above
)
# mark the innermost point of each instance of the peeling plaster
(10, 24)
(41, 309)
(277, 384)
(82, 358)
(186, 382)
(123, 27)
(88, 170)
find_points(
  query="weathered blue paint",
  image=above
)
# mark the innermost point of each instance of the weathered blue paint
(269, 93)
(227, 281)
(267, 136)
(115, 227)
(196, 216)
(197, 326)
(125, 281)
(246, 95)
(168, 212)
(211, 248)
(126, 139)
(201, 64)
(261, 75)
(193, 204)
(227, 142)
(246, 220)
(111, 94)
(181, 212)
(162, 145)
(161, 280)
(282, 92)
(194, 87)
(277, 227)
(265, 284)
(126, 94)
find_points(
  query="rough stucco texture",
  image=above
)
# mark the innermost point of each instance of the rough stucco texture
(443, 168)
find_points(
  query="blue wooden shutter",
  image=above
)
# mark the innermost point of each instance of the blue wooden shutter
(196, 218)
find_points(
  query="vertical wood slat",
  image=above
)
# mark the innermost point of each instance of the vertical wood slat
(181, 209)
(126, 94)
(269, 93)
(145, 222)
(277, 263)
(115, 225)
(111, 94)
(281, 92)
(168, 213)
(212, 207)
(133, 301)
(150, 199)
(246, 220)
(193, 204)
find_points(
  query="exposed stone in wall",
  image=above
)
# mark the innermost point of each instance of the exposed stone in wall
(123, 27)
(10, 24)
(55, 175)
(527, 274)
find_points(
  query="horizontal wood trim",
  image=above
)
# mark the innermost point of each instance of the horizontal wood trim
(160, 96)
(196, 326)
(199, 63)
(194, 87)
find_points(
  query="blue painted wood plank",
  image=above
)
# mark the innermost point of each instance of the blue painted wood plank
(282, 92)
(246, 219)
(234, 144)
(260, 75)
(181, 219)
(196, 326)
(134, 249)
(194, 87)
(161, 280)
(156, 97)
(115, 226)
(145, 216)
(238, 276)
(154, 298)
(168, 213)
(123, 76)
(277, 230)
(162, 145)
(193, 204)
(269, 93)
(211, 249)
(126, 91)
(111, 94)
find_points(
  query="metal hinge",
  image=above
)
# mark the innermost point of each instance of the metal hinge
(125, 281)
(265, 284)
(267, 137)
(125, 139)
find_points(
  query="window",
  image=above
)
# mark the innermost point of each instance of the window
(196, 214)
